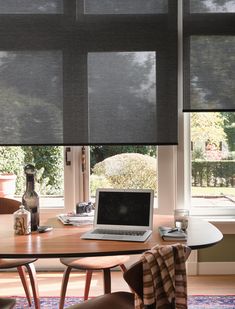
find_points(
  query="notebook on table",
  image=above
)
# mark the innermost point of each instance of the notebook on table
(122, 214)
(172, 234)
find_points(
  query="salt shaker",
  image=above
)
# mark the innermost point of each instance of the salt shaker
(22, 221)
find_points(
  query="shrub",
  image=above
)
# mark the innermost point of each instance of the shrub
(98, 182)
(12, 161)
(213, 173)
(129, 170)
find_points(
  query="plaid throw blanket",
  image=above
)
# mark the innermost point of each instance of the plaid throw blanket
(164, 278)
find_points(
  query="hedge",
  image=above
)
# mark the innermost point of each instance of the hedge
(213, 173)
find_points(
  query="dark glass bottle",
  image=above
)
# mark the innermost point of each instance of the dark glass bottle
(30, 198)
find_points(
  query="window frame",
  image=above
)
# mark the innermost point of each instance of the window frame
(77, 34)
(174, 167)
(208, 24)
(143, 32)
(200, 24)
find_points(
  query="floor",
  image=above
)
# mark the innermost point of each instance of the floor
(49, 284)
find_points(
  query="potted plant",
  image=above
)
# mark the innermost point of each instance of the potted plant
(11, 169)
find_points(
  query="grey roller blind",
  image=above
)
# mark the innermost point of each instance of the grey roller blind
(88, 72)
(209, 49)
(31, 7)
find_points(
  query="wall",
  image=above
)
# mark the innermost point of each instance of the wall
(222, 252)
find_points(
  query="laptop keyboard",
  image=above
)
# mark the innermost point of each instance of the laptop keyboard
(118, 232)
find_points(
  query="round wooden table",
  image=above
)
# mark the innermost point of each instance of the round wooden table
(64, 241)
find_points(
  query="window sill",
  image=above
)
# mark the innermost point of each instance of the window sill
(225, 223)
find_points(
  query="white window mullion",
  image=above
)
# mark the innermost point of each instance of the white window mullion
(183, 178)
(73, 180)
(166, 179)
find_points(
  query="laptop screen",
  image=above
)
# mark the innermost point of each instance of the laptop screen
(124, 207)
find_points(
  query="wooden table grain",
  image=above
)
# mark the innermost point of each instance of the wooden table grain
(64, 241)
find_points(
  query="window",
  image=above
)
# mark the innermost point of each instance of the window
(50, 52)
(213, 164)
(209, 47)
(51, 47)
(60, 56)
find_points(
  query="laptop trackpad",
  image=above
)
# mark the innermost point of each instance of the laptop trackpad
(113, 237)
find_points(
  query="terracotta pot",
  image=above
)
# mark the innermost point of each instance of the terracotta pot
(7, 185)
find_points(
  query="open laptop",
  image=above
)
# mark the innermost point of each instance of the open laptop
(122, 214)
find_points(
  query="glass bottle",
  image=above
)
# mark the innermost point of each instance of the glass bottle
(22, 221)
(30, 198)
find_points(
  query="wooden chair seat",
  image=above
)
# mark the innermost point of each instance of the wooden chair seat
(104, 263)
(95, 263)
(7, 303)
(116, 300)
(9, 206)
(11, 263)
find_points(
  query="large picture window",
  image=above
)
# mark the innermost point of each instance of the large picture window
(213, 160)
(209, 48)
(96, 73)
(53, 48)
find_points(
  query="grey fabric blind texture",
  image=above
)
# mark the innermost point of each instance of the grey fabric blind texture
(88, 72)
(209, 49)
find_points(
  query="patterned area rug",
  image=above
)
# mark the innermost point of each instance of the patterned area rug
(194, 302)
(211, 302)
(47, 302)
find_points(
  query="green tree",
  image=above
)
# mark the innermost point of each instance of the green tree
(230, 129)
(12, 161)
(207, 127)
(48, 161)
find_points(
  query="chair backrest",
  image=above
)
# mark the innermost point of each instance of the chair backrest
(7, 303)
(134, 275)
(8, 206)
(134, 278)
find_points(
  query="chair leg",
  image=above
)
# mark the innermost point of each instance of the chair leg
(22, 274)
(64, 286)
(34, 284)
(87, 284)
(107, 280)
(123, 267)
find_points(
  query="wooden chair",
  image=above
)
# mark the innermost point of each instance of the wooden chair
(7, 303)
(9, 206)
(104, 263)
(121, 300)
(118, 300)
